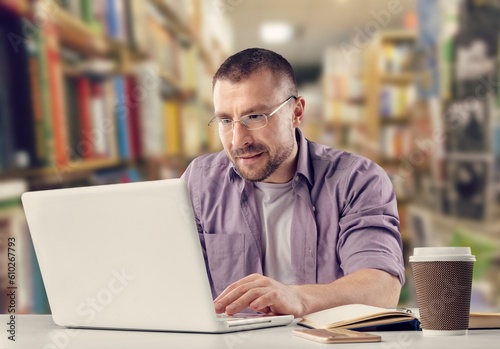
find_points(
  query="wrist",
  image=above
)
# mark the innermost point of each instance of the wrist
(304, 299)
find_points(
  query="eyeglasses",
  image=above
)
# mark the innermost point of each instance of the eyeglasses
(251, 122)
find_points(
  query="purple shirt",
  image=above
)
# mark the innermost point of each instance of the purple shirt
(345, 217)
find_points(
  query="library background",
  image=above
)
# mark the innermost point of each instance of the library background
(110, 91)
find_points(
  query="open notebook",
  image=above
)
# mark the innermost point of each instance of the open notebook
(361, 316)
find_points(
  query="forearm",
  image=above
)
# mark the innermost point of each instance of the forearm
(366, 286)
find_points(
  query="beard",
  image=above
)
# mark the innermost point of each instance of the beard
(260, 172)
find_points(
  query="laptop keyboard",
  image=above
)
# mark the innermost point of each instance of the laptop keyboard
(239, 316)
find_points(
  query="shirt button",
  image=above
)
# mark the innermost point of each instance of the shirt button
(296, 179)
(314, 208)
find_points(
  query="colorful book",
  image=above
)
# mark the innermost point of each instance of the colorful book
(133, 109)
(121, 116)
(152, 117)
(56, 94)
(36, 100)
(25, 147)
(172, 127)
(193, 138)
(6, 139)
(73, 121)
(86, 144)
(50, 159)
(18, 147)
(108, 91)
(115, 19)
(137, 35)
(98, 122)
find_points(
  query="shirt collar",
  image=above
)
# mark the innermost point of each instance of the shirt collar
(304, 163)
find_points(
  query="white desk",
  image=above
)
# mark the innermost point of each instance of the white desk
(39, 331)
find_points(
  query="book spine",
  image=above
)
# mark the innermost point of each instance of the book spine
(121, 118)
(115, 19)
(172, 129)
(109, 114)
(86, 147)
(36, 99)
(86, 11)
(151, 112)
(57, 96)
(91, 14)
(98, 119)
(6, 140)
(73, 123)
(45, 97)
(22, 125)
(133, 106)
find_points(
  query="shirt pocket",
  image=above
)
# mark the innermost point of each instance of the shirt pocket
(226, 259)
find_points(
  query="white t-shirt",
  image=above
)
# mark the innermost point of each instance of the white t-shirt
(275, 204)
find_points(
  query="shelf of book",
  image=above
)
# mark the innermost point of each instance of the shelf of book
(368, 108)
(103, 94)
(74, 33)
(172, 81)
(396, 120)
(345, 101)
(176, 23)
(71, 167)
(399, 78)
(391, 96)
(183, 30)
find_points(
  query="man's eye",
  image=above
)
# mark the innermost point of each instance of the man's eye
(255, 117)
(225, 121)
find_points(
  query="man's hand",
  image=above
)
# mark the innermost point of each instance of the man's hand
(260, 293)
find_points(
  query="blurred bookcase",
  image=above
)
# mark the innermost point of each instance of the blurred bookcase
(97, 92)
(369, 97)
(391, 101)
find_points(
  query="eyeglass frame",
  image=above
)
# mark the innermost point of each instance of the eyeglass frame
(267, 116)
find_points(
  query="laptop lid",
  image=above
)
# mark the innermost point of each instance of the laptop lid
(122, 256)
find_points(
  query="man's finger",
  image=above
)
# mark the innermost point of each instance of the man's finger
(269, 299)
(245, 299)
(221, 303)
(240, 282)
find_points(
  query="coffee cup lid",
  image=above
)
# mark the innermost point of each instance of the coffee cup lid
(433, 254)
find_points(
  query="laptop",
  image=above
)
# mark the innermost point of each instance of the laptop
(127, 256)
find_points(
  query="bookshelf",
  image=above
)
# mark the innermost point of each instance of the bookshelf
(107, 91)
(369, 102)
(391, 99)
(75, 166)
(344, 91)
(75, 34)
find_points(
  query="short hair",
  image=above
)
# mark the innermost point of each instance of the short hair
(244, 63)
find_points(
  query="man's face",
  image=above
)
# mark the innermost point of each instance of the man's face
(267, 154)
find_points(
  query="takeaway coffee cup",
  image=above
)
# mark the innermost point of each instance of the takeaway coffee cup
(443, 281)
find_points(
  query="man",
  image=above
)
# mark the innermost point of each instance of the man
(288, 226)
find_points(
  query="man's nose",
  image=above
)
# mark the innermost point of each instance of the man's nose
(241, 135)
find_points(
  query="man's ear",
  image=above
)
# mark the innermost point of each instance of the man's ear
(298, 112)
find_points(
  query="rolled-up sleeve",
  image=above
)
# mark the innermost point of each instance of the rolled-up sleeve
(369, 230)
